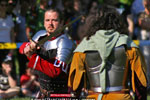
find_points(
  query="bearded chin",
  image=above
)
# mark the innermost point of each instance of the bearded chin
(50, 31)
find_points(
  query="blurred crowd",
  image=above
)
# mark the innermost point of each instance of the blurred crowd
(21, 19)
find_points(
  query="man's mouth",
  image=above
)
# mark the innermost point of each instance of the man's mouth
(50, 28)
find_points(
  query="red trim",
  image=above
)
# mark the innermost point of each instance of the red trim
(60, 95)
(53, 38)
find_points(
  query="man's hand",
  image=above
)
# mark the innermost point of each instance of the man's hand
(32, 45)
(33, 77)
(30, 49)
(27, 51)
(7, 68)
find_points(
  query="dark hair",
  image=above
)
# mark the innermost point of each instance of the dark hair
(106, 18)
(56, 10)
(7, 62)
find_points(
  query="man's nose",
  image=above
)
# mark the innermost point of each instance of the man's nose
(50, 22)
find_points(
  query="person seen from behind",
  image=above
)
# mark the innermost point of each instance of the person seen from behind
(97, 71)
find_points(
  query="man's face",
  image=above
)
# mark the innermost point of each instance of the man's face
(6, 67)
(51, 21)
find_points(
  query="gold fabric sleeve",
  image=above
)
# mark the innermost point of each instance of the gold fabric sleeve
(76, 70)
(138, 66)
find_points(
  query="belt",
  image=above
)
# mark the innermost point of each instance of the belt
(120, 92)
(108, 89)
(117, 89)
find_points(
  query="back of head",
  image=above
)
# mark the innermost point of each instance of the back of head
(106, 18)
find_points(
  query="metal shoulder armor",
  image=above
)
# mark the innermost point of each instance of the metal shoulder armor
(39, 34)
(65, 49)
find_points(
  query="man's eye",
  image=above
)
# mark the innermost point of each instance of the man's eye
(47, 20)
(55, 20)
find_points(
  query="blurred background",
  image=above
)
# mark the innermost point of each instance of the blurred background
(21, 19)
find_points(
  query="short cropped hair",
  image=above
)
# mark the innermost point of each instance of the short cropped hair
(60, 14)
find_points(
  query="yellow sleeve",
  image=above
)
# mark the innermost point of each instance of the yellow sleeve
(76, 70)
(138, 66)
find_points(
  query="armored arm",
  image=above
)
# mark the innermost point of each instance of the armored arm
(65, 49)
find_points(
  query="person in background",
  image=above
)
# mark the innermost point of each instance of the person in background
(97, 70)
(6, 29)
(78, 10)
(136, 8)
(8, 82)
(29, 84)
(144, 20)
(53, 58)
(11, 11)
(92, 6)
(144, 25)
(68, 10)
(21, 35)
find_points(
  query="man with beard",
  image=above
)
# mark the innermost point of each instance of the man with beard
(50, 60)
